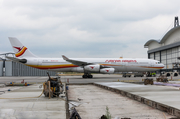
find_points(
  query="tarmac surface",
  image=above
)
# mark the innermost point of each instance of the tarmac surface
(77, 79)
(94, 100)
(92, 97)
(152, 95)
(24, 103)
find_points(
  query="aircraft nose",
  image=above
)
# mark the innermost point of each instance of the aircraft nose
(163, 65)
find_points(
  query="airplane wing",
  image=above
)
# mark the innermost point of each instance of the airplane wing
(76, 62)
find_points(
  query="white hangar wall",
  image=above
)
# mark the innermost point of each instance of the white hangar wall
(174, 37)
(18, 69)
(166, 50)
(8, 68)
(153, 45)
(1, 68)
(169, 57)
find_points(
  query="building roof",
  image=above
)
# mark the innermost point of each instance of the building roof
(164, 37)
(164, 47)
(150, 41)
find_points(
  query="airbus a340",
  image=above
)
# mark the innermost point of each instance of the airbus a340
(84, 65)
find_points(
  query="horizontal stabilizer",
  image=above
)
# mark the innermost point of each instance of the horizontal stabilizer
(17, 59)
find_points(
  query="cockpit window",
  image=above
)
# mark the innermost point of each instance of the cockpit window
(158, 63)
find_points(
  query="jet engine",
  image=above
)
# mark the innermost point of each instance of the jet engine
(92, 68)
(107, 70)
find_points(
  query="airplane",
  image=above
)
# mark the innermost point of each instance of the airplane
(84, 65)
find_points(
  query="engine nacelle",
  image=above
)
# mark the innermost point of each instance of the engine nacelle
(107, 70)
(77, 69)
(92, 68)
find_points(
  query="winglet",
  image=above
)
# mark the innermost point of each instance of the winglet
(65, 58)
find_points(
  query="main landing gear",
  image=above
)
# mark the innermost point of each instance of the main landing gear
(87, 76)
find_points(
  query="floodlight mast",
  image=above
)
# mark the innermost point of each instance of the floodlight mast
(176, 21)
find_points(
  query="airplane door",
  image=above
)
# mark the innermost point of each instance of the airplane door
(152, 63)
(39, 62)
(124, 66)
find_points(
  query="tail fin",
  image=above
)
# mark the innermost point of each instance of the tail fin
(19, 49)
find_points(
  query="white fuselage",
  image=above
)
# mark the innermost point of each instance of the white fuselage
(85, 65)
(119, 64)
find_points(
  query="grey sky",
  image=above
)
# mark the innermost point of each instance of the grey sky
(86, 28)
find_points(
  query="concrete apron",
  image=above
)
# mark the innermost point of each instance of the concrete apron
(23, 102)
(159, 97)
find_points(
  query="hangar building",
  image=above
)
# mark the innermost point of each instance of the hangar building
(167, 49)
(10, 68)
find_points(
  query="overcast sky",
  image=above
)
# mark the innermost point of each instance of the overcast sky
(86, 28)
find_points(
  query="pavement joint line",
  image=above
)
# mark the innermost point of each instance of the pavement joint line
(165, 108)
(30, 107)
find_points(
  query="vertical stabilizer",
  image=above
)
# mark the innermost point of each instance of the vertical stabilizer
(19, 49)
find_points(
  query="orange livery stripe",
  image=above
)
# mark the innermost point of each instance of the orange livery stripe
(21, 52)
(72, 65)
(53, 66)
(152, 67)
(134, 66)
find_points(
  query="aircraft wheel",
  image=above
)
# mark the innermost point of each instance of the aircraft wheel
(90, 76)
(84, 76)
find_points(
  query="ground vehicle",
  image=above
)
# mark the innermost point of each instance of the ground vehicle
(171, 74)
(162, 78)
(127, 75)
(53, 87)
(138, 74)
(148, 81)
